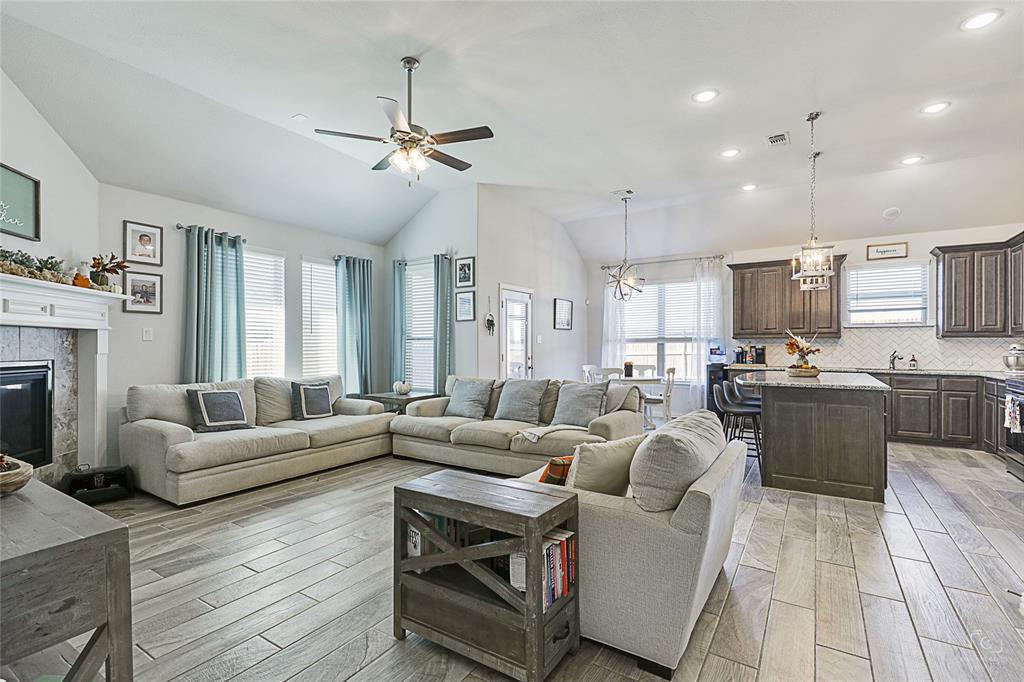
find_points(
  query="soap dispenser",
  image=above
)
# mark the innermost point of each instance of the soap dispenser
(913, 361)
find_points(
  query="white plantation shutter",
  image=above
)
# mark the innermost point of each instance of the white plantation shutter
(419, 325)
(888, 294)
(264, 313)
(319, 319)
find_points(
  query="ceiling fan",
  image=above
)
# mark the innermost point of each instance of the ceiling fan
(414, 143)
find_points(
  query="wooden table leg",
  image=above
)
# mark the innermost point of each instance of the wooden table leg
(534, 606)
(401, 529)
(119, 614)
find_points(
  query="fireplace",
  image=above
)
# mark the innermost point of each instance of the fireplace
(26, 403)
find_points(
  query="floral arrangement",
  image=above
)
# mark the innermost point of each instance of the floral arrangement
(22, 264)
(802, 348)
(103, 266)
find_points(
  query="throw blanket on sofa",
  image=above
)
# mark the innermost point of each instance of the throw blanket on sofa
(535, 434)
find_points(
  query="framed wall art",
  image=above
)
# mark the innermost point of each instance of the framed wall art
(19, 204)
(143, 243)
(887, 251)
(465, 272)
(146, 290)
(563, 314)
(465, 306)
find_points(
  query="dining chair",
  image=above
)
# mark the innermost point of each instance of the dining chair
(588, 373)
(665, 399)
(645, 370)
(606, 373)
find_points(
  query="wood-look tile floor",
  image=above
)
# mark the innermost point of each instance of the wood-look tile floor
(293, 582)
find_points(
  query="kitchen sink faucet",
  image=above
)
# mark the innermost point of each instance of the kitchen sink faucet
(893, 357)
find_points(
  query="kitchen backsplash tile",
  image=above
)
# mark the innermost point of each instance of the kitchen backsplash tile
(870, 347)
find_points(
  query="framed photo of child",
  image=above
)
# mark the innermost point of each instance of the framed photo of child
(146, 291)
(143, 243)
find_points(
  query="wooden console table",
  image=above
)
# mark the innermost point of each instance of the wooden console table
(64, 570)
(451, 597)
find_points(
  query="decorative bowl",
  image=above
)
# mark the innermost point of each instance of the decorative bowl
(15, 479)
(804, 372)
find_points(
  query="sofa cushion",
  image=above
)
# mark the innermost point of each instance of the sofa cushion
(668, 462)
(520, 400)
(431, 428)
(557, 470)
(339, 428)
(493, 433)
(216, 410)
(492, 404)
(579, 404)
(311, 400)
(274, 396)
(604, 467)
(169, 402)
(554, 444)
(549, 401)
(226, 447)
(469, 398)
(621, 397)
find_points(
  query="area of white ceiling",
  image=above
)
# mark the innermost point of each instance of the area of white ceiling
(583, 98)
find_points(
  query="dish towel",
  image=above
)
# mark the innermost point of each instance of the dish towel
(1011, 411)
(534, 435)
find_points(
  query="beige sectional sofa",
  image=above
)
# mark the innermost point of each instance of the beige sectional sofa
(172, 461)
(498, 445)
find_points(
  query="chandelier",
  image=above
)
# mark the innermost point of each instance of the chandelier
(624, 279)
(812, 266)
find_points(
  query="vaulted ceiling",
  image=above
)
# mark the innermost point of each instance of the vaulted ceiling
(194, 100)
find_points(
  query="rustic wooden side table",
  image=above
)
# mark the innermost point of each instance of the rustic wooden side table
(451, 595)
(64, 570)
(397, 402)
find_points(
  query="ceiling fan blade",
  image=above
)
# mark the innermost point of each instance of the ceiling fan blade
(393, 110)
(479, 133)
(441, 157)
(384, 163)
(352, 135)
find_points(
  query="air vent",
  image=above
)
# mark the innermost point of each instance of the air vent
(778, 140)
(623, 193)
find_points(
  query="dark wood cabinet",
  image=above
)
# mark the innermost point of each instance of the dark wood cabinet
(980, 289)
(959, 420)
(990, 423)
(915, 413)
(767, 302)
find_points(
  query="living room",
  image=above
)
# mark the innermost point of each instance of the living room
(733, 234)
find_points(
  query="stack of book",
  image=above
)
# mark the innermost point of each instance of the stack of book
(559, 565)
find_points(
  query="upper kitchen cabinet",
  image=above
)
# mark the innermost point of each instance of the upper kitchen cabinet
(980, 289)
(766, 301)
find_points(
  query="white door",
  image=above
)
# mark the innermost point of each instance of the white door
(516, 347)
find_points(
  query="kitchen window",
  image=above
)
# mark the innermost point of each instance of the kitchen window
(887, 294)
(419, 325)
(264, 313)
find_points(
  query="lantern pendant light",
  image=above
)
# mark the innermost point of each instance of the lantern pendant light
(624, 279)
(813, 265)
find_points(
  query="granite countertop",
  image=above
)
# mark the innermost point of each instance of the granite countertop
(1000, 375)
(850, 381)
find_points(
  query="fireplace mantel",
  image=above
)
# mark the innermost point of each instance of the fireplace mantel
(28, 302)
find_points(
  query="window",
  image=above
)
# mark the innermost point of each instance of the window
(659, 326)
(264, 314)
(887, 294)
(319, 319)
(419, 325)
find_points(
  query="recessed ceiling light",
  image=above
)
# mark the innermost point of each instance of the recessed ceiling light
(892, 213)
(299, 117)
(748, 188)
(705, 96)
(981, 20)
(935, 107)
(911, 160)
(730, 153)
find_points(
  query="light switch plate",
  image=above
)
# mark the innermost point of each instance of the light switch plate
(539, 339)
(147, 333)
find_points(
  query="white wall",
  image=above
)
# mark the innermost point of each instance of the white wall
(447, 224)
(521, 246)
(67, 190)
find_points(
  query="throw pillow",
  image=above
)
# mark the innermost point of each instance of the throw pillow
(311, 401)
(604, 467)
(557, 470)
(216, 410)
(469, 398)
(520, 400)
(673, 457)
(579, 404)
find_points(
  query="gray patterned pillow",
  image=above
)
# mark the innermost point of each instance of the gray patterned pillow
(469, 398)
(520, 400)
(216, 410)
(579, 404)
(311, 401)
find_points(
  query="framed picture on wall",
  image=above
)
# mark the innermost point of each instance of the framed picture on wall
(19, 204)
(143, 243)
(465, 272)
(465, 306)
(147, 292)
(563, 313)
(887, 251)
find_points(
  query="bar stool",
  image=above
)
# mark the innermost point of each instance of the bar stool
(734, 394)
(736, 416)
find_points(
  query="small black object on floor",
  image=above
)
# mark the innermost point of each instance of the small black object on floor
(93, 485)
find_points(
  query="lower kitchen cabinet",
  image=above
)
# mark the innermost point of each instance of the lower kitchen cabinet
(960, 417)
(940, 410)
(991, 426)
(915, 414)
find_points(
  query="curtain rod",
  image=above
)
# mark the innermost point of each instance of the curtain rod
(188, 228)
(656, 261)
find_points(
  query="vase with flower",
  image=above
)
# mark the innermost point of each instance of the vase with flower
(803, 350)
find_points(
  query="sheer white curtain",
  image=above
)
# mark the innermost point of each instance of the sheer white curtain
(612, 344)
(707, 329)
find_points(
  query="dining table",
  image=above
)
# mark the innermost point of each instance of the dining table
(647, 380)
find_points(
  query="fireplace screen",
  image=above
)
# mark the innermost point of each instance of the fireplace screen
(26, 409)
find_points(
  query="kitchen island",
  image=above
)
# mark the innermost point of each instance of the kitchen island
(824, 434)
